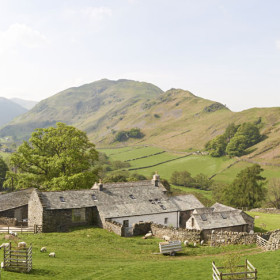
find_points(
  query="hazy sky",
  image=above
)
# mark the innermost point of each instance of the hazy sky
(223, 50)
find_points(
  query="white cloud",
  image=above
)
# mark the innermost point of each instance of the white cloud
(21, 35)
(91, 13)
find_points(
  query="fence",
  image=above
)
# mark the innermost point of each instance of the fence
(20, 229)
(250, 272)
(18, 260)
(261, 242)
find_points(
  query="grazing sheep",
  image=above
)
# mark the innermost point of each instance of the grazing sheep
(148, 235)
(201, 242)
(52, 254)
(22, 244)
(4, 245)
(43, 249)
(166, 238)
(13, 233)
(194, 244)
(186, 243)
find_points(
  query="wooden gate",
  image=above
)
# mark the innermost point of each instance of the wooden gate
(18, 260)
(248, 272)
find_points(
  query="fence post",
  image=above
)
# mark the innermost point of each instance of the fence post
(8, 229)
(256, 274)
(221, 276)
(21, 228)
(246, 265)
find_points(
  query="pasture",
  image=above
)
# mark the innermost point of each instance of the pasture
(144, 156)
(93, 253)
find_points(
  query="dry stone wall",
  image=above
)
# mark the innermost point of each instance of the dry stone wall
(233, 238)
(266, 210)
(113, 226)
(191, 235)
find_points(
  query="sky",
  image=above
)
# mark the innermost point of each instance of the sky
(223, 50)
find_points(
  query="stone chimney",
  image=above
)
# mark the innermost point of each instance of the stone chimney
(156, 179)
(98, 186)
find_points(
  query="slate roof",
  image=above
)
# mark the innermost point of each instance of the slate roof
(115, 200)
(186, 202)
(14, 199)
(219, 219)
(218, 207)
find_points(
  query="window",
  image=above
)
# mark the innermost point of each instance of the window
(162, 207)
(165, 221)
(126, 223)
(132, 196)
(192, 222)
(93, 196)
(62, 199)
(224, 215)
(78, 215)
(203, 217)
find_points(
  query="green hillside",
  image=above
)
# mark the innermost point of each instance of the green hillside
(175, 120)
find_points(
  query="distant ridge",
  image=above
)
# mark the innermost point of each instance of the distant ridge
(27, 104)
(9, 110)
(175, 120)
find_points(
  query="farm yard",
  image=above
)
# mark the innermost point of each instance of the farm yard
(93, 253)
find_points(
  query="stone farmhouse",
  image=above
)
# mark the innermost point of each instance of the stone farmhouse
(220, 217)
(125, 204)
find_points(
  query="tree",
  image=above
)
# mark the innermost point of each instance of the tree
(251, 132)
(201, 181)
(217, 146)
(182, 178)
(55, 158)
(273, 194)
(236, 146)
(247, 190)
(3, 169)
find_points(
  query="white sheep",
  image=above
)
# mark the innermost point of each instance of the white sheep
(194, 244)
(201, 242)
(52, 254)
(2, 264)
(4, 245)
(43, 249)
(13, 233)
(166, 238)
(22, 244)
(186, 243)
(148, 235)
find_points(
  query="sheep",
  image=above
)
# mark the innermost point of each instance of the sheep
(52, 254)
(166, 238)
(13, 233)
(22, 244)
(186, 243)
(2, 265)
(194, 244)
(201, 242)
(43, 250)
(4, 245)
(148, 235)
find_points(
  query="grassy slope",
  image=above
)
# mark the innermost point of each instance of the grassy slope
(97, 254)
(174, 120)
(266, 222)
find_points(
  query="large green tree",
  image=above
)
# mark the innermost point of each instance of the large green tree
(55, 158)
(247, 190)
(3, 170)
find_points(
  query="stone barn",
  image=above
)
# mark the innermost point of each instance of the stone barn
(219, 217)
(14, 205)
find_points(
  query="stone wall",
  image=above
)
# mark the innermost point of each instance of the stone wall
(113, 226)
(8, 221)
(61, 220)
(266, 210)
(35, 210)
(274, 241)
(191, 235)
(233, 238)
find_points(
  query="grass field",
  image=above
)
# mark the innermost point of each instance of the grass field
(265, 222)
(194, 164)
(94, 253)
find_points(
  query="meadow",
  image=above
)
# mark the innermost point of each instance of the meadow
(144, 156)
(93, 253)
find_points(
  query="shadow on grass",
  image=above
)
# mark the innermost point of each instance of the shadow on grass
(259, 229)
(43, 272)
